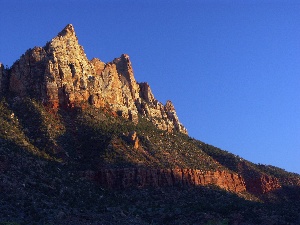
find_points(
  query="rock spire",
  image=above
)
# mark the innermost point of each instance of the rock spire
(60, 75)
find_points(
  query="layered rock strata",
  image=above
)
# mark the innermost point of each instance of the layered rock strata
(145, 177)
(60, 75)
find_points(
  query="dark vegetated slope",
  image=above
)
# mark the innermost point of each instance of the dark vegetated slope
(42, 152)
(94, 138)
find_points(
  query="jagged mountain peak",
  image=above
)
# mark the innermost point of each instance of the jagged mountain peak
(60, 75)
(67, 31)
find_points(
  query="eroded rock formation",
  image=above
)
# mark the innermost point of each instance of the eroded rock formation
(145, 177)
(257, 182)
(60, 75)
(261, 184)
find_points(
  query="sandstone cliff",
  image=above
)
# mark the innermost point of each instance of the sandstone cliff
(256, 181)
(145, 177)
(60, 75)
(262, 184)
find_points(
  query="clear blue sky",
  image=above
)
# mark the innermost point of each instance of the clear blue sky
(232, 68)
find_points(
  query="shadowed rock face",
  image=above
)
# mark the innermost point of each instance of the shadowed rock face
(60, 75)
(262, 184)
(257, 182)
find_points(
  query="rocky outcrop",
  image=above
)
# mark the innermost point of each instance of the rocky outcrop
(163, 116)
(134, 139)
(261, 184)
(146, 177)
(257, 182)
(60, 75)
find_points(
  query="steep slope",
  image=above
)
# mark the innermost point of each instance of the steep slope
(81, 142)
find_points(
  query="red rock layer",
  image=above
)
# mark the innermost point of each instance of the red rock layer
(256, 181)
(262, 184)
(143, 177)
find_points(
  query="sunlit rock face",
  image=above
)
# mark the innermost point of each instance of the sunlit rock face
(145, 177)
(60, 75)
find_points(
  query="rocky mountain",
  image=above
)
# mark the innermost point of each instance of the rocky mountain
(60, 75)
(82, 142)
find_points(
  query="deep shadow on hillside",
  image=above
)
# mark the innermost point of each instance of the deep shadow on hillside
(43, 154)
(37, 191)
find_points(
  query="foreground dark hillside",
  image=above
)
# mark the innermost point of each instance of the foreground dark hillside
(80, 166)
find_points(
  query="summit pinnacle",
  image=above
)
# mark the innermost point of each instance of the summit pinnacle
(60, 75)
